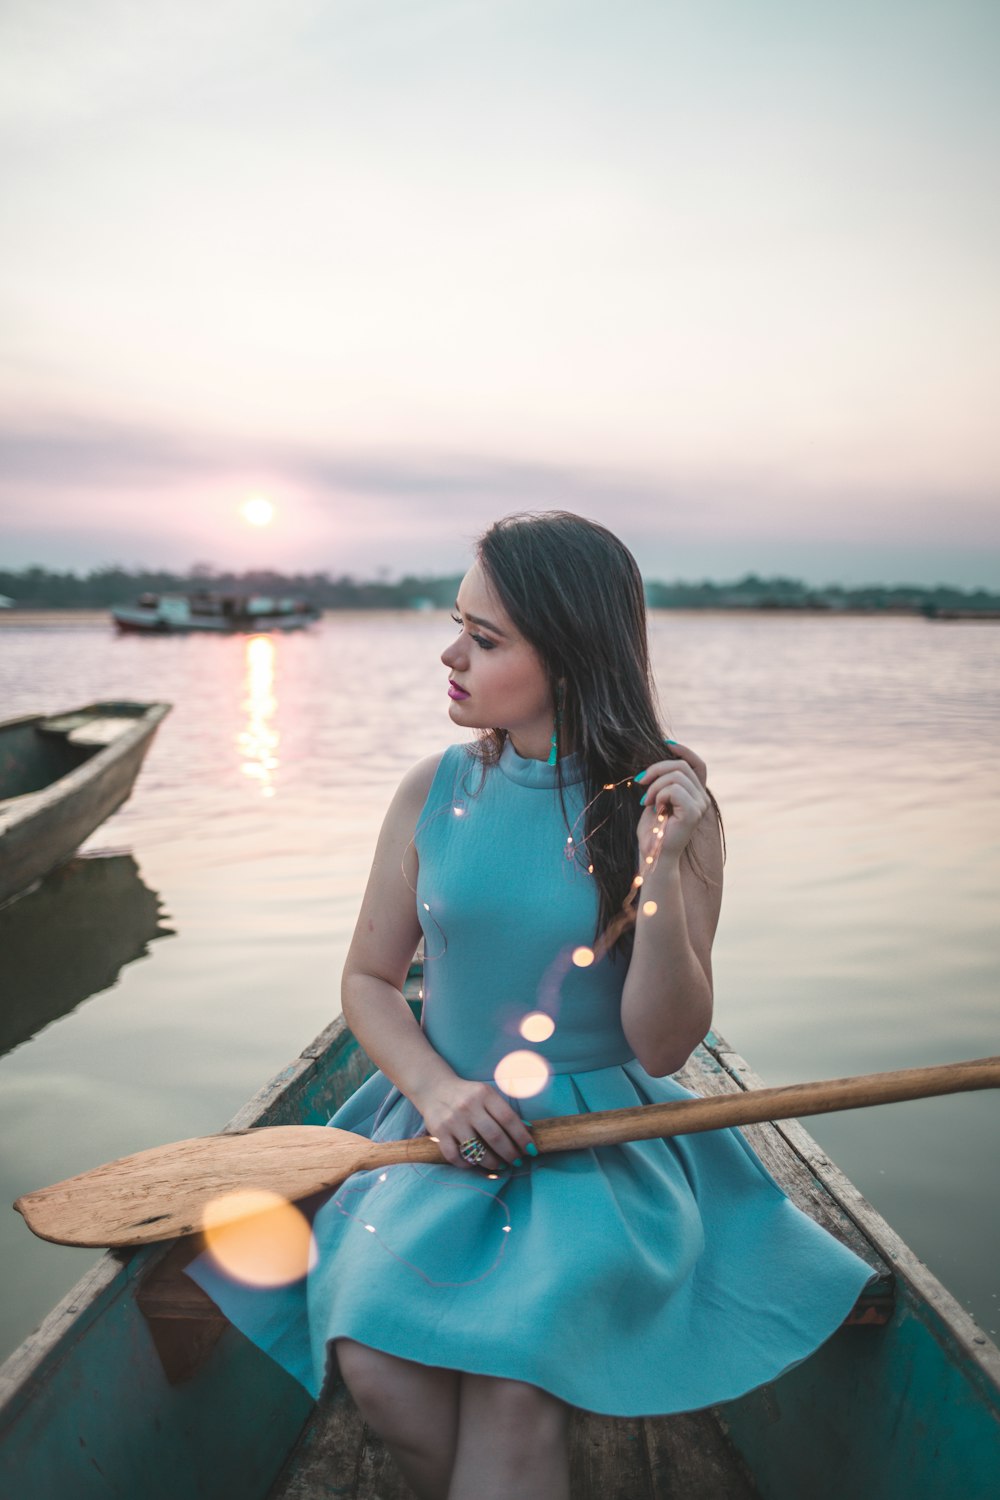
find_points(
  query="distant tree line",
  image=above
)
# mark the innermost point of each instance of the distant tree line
(38, 588)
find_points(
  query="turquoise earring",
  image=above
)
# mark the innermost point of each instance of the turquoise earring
(554, 749)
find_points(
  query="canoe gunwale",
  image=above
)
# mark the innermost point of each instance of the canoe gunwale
(118, 1275)
(40, 830)
(953, 1327)
(31, 803)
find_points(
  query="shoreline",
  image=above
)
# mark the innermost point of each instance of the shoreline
(69, 618)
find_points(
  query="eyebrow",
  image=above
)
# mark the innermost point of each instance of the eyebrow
(477, 621)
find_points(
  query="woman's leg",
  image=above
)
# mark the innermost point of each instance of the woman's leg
(412, 1407)
(511, 1441)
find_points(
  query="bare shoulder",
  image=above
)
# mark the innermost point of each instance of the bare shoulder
(415, 786)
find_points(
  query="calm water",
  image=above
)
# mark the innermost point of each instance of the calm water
(858, 769)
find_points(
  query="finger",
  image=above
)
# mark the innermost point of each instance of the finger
(517, 1129)
(658, 781)
(493, 1135)
(695, 761)
(676, 802)
(451, 1149)
(448, 1146)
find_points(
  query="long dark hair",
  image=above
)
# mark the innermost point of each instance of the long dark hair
(574, 592)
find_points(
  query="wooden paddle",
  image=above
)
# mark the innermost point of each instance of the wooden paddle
(162, 1193)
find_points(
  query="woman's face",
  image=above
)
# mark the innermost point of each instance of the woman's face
(500, 679)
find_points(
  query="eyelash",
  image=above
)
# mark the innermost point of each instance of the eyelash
(480, 640)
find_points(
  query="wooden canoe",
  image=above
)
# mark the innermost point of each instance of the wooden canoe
(136, 1385)
(61, 776)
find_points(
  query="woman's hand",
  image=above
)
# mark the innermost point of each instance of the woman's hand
(674, 799)
(462, 1109)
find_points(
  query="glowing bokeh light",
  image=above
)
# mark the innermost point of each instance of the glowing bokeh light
(257, 511)
(583, 957)
(258, 1237)
(649, 907)
(537, 1027)
(522, 1074)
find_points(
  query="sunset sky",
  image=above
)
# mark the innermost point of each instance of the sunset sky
(721, 274)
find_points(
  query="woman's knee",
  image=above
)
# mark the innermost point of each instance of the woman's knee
(368, 1374)
(400, 1398)
(514, 1406)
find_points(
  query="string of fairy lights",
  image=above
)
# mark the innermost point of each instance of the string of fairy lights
(522, 1073)
(286, 1250)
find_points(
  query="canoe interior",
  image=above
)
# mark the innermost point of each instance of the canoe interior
(36, 751)
(907, 1409)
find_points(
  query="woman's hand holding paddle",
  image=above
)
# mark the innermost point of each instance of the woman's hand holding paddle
(460, 1110)
(158, 1194)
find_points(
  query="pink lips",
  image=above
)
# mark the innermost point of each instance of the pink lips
(454, 691)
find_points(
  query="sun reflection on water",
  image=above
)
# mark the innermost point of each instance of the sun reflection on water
(258, 742)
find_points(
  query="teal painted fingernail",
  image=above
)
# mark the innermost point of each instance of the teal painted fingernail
(670, 742)
(638, 776)
(642, 801)
(517, 1162)
(531, 1149)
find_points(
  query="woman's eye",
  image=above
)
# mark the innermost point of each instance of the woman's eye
(480, 640)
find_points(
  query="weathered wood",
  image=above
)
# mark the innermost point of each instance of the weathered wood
(979, 1355)
(78, 786)
(184, 1321)
(908, 1412)
(327, 1458)
(166, 1191)
(825, 1096)
(706, 1074)
(608, 1458)
(378, 1476)
(685, 1457)
(690, 1458)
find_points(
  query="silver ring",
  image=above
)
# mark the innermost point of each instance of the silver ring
(473, 1150)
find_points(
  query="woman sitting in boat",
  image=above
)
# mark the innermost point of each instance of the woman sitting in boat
(564, 870)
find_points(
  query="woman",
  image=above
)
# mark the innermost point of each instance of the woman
(567, 869)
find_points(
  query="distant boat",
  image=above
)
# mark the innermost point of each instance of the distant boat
(61, 777)
(221, 614)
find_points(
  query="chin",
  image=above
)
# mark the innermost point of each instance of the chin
(459, 713)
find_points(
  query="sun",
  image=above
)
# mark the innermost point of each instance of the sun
(257, 511)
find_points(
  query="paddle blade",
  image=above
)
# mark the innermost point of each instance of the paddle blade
(165, 1192)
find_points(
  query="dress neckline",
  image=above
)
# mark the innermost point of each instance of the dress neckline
(538, 773)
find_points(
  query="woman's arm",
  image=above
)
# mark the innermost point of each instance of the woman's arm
(667, 998)
(385, 939)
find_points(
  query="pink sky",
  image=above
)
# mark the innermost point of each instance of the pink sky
(722, 278)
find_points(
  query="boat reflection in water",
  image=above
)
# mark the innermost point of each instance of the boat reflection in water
(70, 938)
(258, 742)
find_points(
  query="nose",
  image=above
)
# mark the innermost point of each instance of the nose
(454, 655)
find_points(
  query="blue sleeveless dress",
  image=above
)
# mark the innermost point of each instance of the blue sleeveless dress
(647, 1278)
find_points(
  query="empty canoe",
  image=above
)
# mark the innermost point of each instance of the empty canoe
(61, 776)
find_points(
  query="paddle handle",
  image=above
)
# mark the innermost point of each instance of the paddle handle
(644, 1122)
(686, 1116)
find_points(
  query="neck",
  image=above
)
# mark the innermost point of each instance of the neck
(532, 746)
(529, 746)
